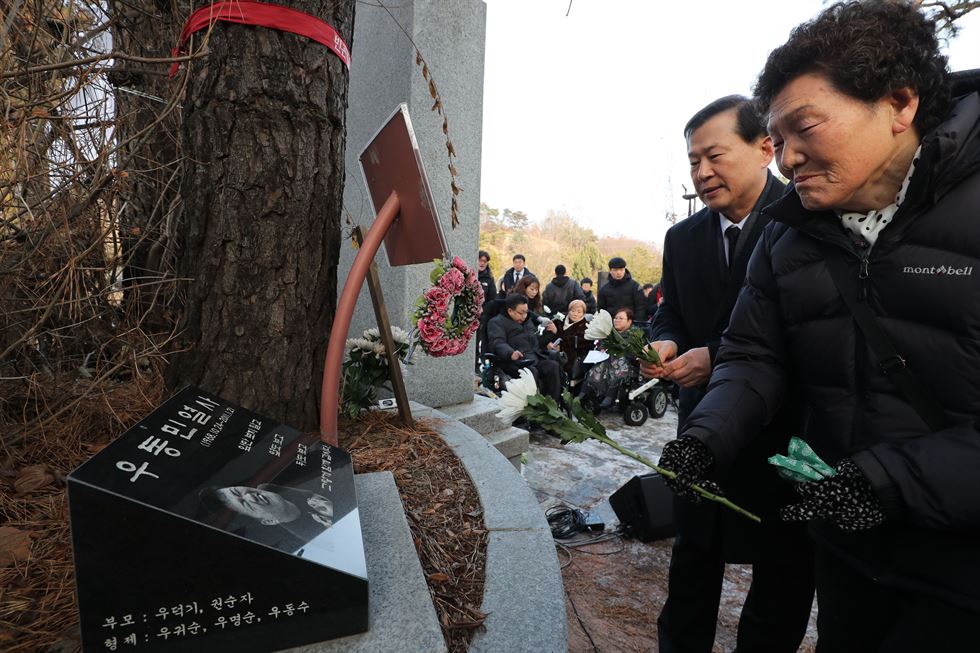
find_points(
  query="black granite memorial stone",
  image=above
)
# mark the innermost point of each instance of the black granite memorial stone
(207, 527)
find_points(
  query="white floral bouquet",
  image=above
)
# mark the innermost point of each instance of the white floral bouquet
(366, 369)
(631, 343)
(521, 399)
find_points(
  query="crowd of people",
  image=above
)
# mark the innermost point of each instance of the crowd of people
(544, 331)
(840, 308)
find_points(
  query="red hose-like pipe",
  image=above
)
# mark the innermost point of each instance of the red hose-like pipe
(330, 394)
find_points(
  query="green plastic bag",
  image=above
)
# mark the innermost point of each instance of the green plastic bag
(801, 464)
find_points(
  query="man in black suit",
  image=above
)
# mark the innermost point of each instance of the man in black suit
(705, 259)
(514, 274)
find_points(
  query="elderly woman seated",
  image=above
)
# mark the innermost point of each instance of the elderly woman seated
(605, 379)
(571, 332)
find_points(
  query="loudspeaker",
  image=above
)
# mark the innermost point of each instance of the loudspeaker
(645, 505)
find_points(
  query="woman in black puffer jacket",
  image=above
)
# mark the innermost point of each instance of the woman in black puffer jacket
(886, 166)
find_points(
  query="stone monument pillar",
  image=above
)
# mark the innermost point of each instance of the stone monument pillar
(451, 37)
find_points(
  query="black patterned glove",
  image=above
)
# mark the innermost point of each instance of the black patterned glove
(845, 499)
(691, 460)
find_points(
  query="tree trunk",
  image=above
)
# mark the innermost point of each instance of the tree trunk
(263, 135)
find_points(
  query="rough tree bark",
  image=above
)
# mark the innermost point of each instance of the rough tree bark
(263, 136)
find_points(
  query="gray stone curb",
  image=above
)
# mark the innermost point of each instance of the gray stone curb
(523, 595)
(402, 617)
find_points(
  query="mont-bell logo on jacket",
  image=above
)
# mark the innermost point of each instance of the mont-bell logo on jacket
(942, 270)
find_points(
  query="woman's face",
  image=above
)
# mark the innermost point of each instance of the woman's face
(840, 152)
(532, 290)
(621, 322)
(576, 312)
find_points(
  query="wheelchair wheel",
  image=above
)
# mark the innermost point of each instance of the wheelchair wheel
(658, 402)
(636, 413)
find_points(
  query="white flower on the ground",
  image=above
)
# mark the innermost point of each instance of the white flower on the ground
(513, 400)
(600, 327)
(372, 334)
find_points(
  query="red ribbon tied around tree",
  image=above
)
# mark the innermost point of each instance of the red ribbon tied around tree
(263, 14)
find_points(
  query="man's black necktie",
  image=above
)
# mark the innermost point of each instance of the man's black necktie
(731, 235)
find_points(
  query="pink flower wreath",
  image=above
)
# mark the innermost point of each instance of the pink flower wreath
(443, 332)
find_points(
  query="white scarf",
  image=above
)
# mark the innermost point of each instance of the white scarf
(569, 323)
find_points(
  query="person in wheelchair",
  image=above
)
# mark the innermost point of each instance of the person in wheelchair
(572, 343)
(605, 379)
(513, 339)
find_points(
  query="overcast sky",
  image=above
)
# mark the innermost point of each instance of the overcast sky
(585, 113)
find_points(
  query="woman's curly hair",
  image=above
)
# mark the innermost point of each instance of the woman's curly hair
(866, 48)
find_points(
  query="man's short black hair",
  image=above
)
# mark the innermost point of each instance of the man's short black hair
(867, 49)
(483, 254)
(750, 122)
(648, 285)
(559, 270)
(514, 300)
(585, 280)
(519, 256)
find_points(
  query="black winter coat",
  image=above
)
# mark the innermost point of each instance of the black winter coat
(923, 284)
(560, 293)
(508, 282)
(623, 293)
(485, 277)
(507, 336)
(590, 303)
(699, 294)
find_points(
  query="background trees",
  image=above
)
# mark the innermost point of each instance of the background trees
(560, 239)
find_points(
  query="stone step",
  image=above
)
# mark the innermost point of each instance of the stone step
(511, 442)
(479, 414)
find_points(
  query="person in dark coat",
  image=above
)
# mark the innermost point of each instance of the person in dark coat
(703, 271)
(561, 291)
(514, 274)
(882, 145)
(589, 298)
(652, 301)
(485, 277)
(513, 338)
(621, 291)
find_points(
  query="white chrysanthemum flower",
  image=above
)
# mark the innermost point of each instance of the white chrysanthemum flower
(372, 333)
(600, 327)
(361, 343)
(379, 349)
(399, 335)
(514, 399)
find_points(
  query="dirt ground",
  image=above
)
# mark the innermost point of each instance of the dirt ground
(616, 587)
